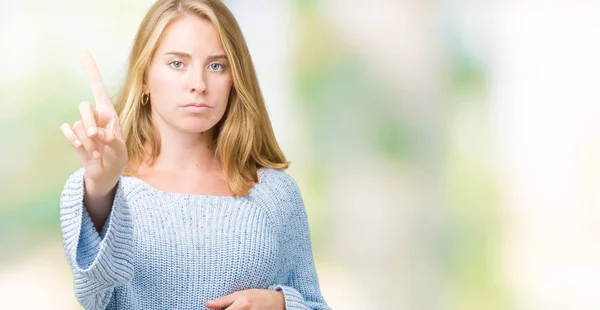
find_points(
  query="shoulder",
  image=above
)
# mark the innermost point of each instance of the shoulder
(280, 193)
(277, 189)
(276, 178)
(273, 181)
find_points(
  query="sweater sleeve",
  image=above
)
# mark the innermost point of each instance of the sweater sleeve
(299, 282)
(99, 262)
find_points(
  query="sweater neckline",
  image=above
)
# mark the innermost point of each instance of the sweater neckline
(167, 194)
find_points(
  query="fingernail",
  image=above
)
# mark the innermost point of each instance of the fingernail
(91, 131)
(100, 134)
(96, 154)
(77, 143)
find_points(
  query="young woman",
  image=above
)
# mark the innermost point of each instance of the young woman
(182, 202)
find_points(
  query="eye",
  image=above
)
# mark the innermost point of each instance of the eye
(216, 66)
(176, 64)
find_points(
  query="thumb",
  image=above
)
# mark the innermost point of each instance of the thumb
(110, 121)
(112, 124)
(220, 303)
(109, 137)
(105, 113)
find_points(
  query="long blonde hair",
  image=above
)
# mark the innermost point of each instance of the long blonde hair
(244, 141)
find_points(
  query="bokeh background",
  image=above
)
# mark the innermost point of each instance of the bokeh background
(448, 151)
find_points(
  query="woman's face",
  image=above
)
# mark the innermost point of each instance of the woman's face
(188, 79)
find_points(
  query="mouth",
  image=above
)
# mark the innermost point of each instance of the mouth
(196, 107)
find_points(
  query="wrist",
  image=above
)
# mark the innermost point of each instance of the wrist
(98, 189)
(279, 299)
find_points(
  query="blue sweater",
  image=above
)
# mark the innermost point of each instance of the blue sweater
(161, 250)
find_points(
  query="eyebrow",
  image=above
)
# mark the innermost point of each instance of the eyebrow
(186, 55)
(216, 57)
(180, 54)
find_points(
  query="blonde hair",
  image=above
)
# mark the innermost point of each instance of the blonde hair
(244, 137)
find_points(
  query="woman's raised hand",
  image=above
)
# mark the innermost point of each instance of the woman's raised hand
(97, 136)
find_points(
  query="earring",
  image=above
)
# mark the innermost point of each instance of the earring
(145, 98)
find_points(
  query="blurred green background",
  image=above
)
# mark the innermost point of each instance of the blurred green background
(448, 152)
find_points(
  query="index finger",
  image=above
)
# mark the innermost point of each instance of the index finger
(91, 70)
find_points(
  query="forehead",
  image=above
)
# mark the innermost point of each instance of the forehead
(190, 34)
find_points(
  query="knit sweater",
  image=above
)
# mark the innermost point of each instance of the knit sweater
(162, 250)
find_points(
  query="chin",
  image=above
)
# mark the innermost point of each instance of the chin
(196, 128)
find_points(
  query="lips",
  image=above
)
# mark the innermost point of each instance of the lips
(196, 108)
(198, 105)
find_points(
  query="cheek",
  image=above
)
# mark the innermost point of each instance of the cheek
(161, 82)
(222, 88)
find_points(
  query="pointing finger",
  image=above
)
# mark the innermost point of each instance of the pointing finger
(98, 89)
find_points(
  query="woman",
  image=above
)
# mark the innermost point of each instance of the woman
(182, 202)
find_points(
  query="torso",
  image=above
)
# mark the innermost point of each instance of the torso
(191, 248)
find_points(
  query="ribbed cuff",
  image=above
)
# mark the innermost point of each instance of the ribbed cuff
(293, 298)
(97, 259)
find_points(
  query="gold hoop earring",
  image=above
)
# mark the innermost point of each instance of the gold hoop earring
(145, 98)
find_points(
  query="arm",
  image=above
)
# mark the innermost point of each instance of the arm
(99, 262)
(298, 281)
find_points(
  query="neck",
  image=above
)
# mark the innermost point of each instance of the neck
(186, 153)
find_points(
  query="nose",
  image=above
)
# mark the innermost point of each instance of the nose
(196, 81)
